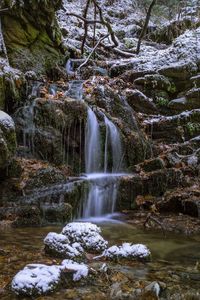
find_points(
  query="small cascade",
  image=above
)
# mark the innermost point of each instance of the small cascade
(103, 187)
(101, 198)
(92, 144)
(75, 90)
(112, 136)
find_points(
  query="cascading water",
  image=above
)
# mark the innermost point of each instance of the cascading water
(92, 144)
(112, 135)
(101, 197)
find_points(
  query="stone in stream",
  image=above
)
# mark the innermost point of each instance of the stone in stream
(128, 251)
(36, 279)
(87, 234)
(59, 245)
(40, 279)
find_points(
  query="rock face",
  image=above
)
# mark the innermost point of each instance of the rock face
(53, 130)
(7, 140)
(32, 35)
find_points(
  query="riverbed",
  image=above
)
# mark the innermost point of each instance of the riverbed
(175, 261)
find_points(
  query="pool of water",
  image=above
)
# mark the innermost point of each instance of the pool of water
(173, 257)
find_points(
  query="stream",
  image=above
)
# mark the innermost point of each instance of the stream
(173, 263)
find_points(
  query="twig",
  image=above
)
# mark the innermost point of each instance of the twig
(150, 217)
(93, 50)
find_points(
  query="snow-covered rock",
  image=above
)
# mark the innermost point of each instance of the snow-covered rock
(79, 270)
(87, 234)
(59, 245)
(7, 139)
(36, 279)
(128, 250)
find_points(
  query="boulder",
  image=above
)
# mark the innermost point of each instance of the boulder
(7, 140)
(36, 279)
(128, 251)
(87, 234)
(59, 245)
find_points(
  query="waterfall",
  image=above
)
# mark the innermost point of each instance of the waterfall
(103, 187)
(92, 144)
(112, 135)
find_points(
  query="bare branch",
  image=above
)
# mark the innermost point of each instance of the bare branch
(93, 50)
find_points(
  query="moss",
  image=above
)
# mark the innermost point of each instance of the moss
(162, 102)
(192, 128)
(32, 36)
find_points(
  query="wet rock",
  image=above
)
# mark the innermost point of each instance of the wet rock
(59, 245)
(139, 102)
(7, 140)
(87, 234)
(128, 251)
(36, 279)
(56, 127)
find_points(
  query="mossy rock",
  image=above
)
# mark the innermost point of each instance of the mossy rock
(32, 35)
(7, 140)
